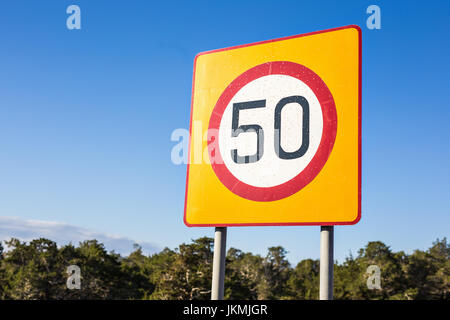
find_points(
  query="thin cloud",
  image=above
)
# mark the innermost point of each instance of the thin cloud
(64, 233)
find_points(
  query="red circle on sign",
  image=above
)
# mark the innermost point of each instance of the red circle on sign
(323, 94)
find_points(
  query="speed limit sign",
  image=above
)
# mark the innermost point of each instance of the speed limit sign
(276, 133)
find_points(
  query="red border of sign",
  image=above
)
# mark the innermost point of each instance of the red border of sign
(357, 28)
(323, 94)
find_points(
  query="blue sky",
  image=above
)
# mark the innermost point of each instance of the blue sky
(86, 117)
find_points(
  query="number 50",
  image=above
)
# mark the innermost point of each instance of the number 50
(237, 129)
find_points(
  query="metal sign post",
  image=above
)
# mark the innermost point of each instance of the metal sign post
(218, 275)
(326, 262)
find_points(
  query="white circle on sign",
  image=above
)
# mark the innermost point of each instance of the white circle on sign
(270, 169)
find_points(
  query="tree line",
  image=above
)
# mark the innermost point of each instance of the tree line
(38, 270)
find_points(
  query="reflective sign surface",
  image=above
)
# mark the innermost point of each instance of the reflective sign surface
(275, 132)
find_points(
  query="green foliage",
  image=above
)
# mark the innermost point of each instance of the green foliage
(38, 270)
(276, 272)
(188, 276)
(243, 273)
(303, 283)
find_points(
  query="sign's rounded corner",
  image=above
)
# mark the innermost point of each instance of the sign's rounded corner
(198, 55)
(354, 26)
(187, 224)
(357, 219)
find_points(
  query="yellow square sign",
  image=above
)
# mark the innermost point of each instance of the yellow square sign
(275, 133)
